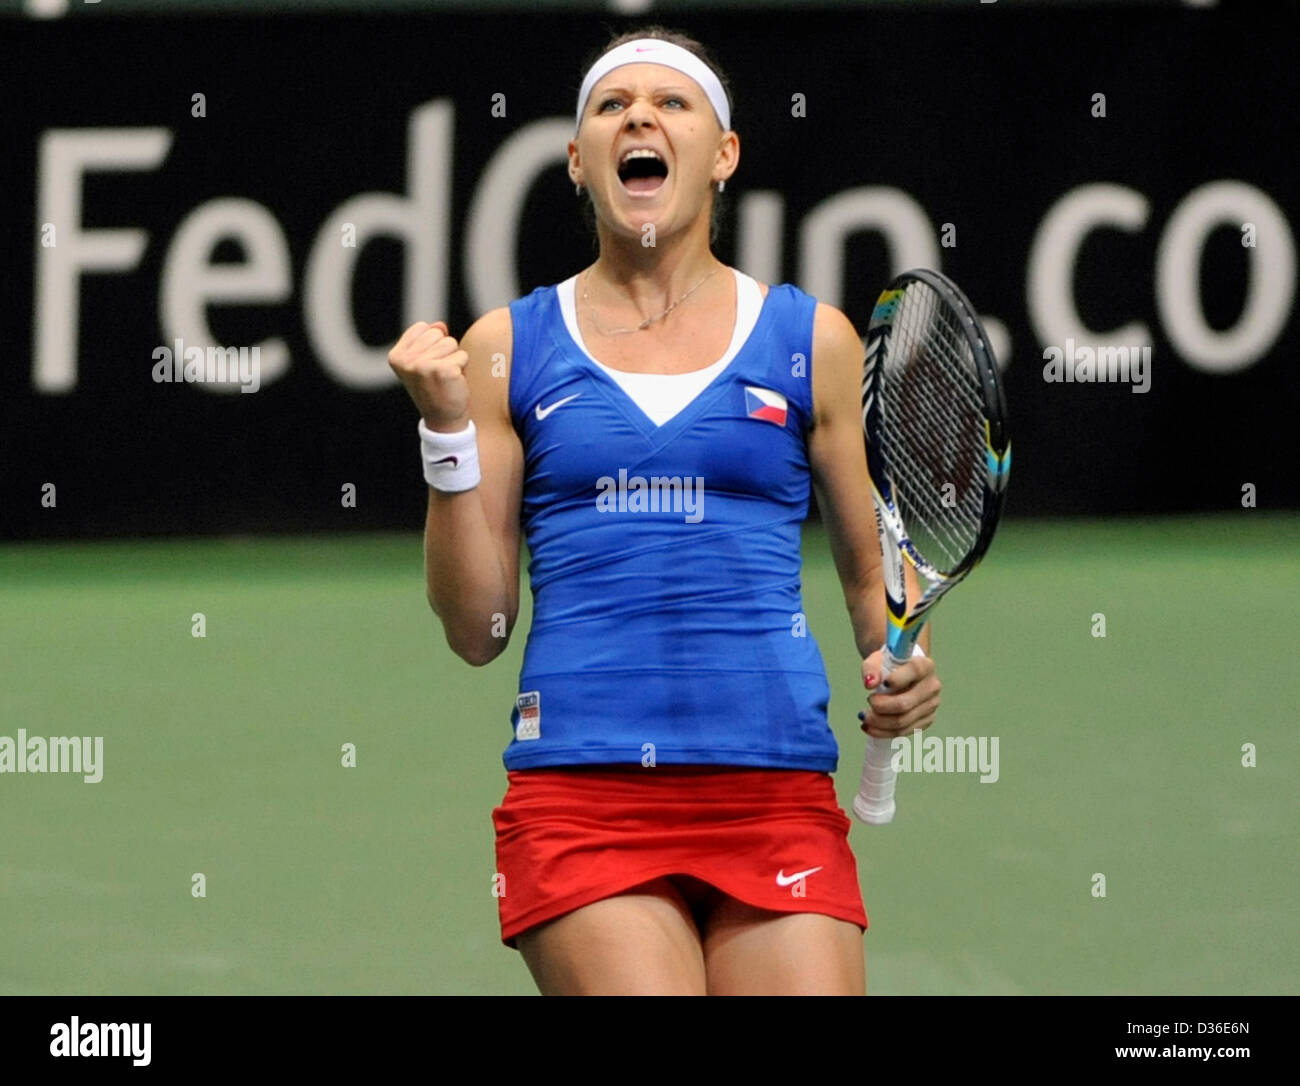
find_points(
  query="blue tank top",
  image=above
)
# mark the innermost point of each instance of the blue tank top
(668, 626)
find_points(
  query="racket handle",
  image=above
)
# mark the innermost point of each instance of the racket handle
(874, 803)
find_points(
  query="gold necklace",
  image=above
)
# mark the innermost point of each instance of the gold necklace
(649, 320)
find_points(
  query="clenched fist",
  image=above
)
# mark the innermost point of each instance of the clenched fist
(431, 366)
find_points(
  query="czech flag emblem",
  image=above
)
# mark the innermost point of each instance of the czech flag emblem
(763, 403)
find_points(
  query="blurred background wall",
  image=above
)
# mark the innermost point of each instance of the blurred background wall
(308, 178)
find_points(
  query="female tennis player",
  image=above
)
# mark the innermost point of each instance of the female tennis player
(654, 426)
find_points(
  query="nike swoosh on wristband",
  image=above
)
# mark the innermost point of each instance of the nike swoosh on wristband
(543, 412)
(448, 459)
(782, 879)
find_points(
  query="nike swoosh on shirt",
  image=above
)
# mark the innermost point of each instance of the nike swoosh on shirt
(542, 412)
(782, 879)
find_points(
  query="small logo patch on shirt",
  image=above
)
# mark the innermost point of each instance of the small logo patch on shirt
(529, 706)
(764, 403)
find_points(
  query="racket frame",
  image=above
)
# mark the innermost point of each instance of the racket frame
(874, 803)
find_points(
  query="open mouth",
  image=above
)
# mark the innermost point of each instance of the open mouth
(642, 171)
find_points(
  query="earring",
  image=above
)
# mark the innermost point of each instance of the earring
(577, 190)
(721, 185)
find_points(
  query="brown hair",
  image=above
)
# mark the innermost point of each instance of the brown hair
(676, 37)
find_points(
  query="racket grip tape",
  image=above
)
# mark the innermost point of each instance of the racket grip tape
(874, 803)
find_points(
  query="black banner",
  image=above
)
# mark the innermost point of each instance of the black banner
(153, 1037)
(1115, 190)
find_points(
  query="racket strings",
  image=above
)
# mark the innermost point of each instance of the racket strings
(933, 428)
(944, 455)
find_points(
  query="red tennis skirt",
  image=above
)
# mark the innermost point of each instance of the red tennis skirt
(772, 838)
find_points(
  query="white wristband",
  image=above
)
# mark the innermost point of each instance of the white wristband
(917, 650)
(450, 460)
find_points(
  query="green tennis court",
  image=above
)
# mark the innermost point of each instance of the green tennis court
(1119, 755)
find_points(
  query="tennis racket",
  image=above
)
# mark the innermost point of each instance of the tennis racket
(939, 457)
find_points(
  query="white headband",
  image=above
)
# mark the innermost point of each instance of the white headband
(655, 51)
